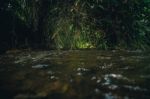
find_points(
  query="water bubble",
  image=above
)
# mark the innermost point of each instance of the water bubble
(109, 96)
(40, 66)
(135, 88)
(98, 81)
(53, 77)
(82, 69)
(93, 78)
(79, 73)
(96, 90)
(71, 80)
(113, 87)
(118, 76)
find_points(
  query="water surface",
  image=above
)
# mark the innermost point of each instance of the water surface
(89, 74)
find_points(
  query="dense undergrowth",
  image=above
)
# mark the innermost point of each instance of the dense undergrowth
(75, 24)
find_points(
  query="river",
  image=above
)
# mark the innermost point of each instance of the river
(75, 74)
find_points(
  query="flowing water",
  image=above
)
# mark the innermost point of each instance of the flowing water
(89, 74)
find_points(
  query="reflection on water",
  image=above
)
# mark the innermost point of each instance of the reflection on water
(75, 75)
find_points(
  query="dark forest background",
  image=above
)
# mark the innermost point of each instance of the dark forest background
(74, 24)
